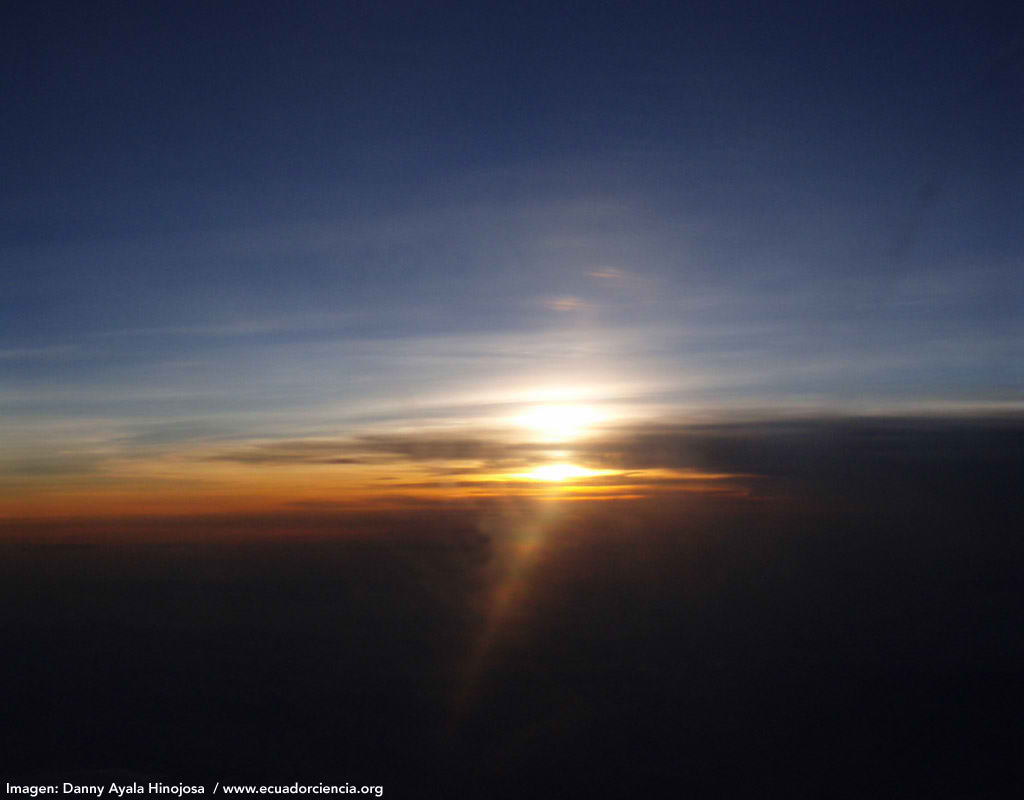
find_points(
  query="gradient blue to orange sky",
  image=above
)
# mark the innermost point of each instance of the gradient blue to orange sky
(338, 252)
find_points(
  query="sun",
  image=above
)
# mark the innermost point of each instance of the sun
(560, 472)
(560, 423)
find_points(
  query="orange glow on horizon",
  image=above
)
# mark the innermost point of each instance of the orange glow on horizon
(311, 476)
(561, 472)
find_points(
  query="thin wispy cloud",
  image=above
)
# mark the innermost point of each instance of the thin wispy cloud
(248, 327)
(565, 304)
(37, 353)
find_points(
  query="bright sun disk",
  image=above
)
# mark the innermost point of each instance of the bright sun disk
(560, 422)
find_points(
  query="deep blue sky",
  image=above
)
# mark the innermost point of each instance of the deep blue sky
(259, 217)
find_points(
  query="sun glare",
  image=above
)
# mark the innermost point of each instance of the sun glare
(560, 422)
(560, 472)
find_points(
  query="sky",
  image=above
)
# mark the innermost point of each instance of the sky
(526, 398)
(314, 253)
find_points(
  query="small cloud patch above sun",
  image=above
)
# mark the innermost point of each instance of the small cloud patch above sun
(607, 274)
(565, 303)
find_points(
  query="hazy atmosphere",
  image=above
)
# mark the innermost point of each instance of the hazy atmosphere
(495, 399)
